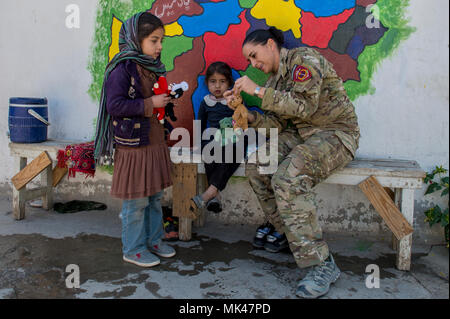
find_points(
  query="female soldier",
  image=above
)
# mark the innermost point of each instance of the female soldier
(318, 133)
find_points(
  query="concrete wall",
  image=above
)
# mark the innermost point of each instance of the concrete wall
(406, 118)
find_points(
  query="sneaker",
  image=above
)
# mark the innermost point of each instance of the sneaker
(162, 250)
(318, 280)
(214, 205)
(261, 235)
(143, 259)
(276, 242)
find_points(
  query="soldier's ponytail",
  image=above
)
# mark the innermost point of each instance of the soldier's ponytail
(262, 36)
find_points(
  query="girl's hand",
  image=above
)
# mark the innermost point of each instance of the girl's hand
(160, 100)
(244, 84)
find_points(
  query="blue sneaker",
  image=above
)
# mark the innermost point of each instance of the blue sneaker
(276, 242)
(143, 259)
(162, 249)
(318, 280)
(261, 235)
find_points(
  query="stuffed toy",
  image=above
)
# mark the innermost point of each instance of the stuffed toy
(222, 136)
(174, 90)
(240, 116)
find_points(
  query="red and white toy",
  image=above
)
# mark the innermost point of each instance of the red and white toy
(174, 90)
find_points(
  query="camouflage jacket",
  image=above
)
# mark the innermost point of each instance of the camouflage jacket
(309, 94)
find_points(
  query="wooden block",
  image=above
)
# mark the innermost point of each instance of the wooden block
(31, 170)
(184, 188)
(384, 205)
(58, 174)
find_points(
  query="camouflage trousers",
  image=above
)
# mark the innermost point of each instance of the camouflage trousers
(286, 197)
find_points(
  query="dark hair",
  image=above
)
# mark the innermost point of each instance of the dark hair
(262, 36)
(147, 24)
(221, 68)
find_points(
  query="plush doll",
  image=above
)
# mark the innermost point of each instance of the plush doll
(173, 90)
(222, 136)
(240, 116)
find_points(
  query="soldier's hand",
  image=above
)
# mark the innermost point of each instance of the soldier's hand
(228, 95)
(245, 84)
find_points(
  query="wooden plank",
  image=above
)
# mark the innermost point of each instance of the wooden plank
(31, 170)
(398, 201)
(185, 229)
(18, 201)
(386, 181)
(34, 149)
(47, 183)
(386, 207)
(403, 260)
(58, 174)
(390, 173)
(184, 188)
(382, 167)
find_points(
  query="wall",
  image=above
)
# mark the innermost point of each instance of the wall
(401, 99)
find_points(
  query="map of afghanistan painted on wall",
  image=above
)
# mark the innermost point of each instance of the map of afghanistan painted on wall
(355, 35)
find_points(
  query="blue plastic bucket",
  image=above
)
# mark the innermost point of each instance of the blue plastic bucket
(28, 119)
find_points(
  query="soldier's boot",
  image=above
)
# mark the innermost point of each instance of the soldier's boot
(318, 280)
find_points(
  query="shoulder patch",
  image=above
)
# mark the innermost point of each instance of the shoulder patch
(301, 73)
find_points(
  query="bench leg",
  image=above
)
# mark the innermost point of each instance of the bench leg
(47, 182)
(18, 196)
(202, 184)
(184, 228)
(406, 202)
(397, 200)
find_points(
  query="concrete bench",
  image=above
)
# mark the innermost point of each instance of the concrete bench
(399, 178)
(23, 152)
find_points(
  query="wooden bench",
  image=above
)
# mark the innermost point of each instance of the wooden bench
(23, 152)
(399, 178)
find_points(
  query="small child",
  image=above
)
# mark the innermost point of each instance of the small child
(214, 109)
(142, 165)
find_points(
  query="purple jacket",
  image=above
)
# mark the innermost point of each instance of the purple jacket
(125, 104)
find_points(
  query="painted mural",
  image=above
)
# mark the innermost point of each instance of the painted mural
(355, 35)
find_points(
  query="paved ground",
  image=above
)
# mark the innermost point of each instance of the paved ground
(218, 263)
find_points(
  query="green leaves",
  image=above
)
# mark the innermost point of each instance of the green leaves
(436, 186)
(433, 188)
(435, 214)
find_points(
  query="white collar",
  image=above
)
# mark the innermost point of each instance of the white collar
(211, 100)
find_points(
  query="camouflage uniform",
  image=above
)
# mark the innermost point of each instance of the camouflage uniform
(318, 133)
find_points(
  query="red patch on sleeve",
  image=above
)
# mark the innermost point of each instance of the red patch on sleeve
(301, 73)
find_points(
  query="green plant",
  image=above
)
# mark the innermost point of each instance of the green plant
(436, 183)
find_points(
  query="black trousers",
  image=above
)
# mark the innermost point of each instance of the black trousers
(218, 173)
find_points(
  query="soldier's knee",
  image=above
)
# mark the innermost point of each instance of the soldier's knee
(298, 185)
(280, 183)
